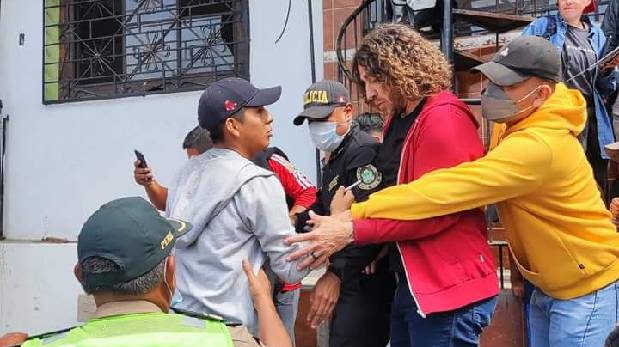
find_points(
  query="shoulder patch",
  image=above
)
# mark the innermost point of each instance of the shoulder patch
(334, 182)
(369, 176)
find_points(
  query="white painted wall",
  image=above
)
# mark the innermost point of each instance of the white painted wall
(64, 161)
(38, 292)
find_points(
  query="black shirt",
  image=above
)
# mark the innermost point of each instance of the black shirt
(388, 162)
(577, 56)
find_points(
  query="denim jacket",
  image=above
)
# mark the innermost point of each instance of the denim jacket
(603, 86)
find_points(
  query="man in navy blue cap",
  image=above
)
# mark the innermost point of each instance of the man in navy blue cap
(237, 208)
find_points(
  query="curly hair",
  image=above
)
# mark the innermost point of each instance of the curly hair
(398, 56)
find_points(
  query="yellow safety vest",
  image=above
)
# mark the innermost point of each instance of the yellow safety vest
(142, 329)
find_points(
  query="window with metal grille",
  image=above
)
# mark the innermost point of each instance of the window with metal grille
(99, 49)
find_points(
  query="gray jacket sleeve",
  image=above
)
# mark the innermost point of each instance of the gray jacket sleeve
(263, 210)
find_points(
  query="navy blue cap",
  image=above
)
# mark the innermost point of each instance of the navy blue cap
(224, 98)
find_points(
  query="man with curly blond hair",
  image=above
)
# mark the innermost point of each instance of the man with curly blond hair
(447, 276)
(559, 231)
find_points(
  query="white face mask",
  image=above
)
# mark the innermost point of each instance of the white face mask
(324, 135)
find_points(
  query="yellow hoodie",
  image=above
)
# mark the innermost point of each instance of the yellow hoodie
(559, 230)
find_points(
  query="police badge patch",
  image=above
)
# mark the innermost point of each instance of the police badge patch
(369, 176)
(333, 182)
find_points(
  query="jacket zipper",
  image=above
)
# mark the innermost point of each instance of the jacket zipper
(409, 282)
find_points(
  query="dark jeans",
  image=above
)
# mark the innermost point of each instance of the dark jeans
(458, 328)
(361, 316)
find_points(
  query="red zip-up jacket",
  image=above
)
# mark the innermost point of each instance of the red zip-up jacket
(447, 260)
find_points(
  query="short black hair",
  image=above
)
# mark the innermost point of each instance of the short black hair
(369, 121)
(217, 133)
(199, 139)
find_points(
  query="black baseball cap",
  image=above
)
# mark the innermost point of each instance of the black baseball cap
(522, 58)
(224, 98)
(320, 99)
(132, 234)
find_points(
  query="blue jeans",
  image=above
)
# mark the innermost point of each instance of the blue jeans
(458, 328)
(585, 321)
(526, 301)
(287, 305)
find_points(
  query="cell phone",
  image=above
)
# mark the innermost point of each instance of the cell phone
(140, 157)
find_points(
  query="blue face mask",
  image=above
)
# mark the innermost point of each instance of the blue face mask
(324, 136)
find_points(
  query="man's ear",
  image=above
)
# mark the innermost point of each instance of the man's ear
(171, 272)
(544, 92)
(77, 271)
(348, 109)
(232, 125)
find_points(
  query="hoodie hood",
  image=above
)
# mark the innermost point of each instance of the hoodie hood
(566, 109)
(200, 195)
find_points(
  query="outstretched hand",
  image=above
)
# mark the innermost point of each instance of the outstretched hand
(330, 235)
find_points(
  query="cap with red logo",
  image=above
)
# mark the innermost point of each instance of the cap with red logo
(226, 97)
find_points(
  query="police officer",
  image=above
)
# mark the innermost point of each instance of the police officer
(125, 261)
(360, 303)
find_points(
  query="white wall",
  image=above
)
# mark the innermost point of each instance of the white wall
(38, 292)
(64, 161)
(288, 60)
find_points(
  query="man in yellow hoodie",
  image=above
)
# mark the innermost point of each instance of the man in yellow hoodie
(559, 231)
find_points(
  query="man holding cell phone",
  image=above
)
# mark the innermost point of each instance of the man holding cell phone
(196, 142)
(359, 303)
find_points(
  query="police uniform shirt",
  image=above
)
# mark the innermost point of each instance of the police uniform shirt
(352, 161)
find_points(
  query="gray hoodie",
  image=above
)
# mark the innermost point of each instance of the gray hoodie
(238, 211)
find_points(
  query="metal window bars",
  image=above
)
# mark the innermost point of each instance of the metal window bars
(99, 49)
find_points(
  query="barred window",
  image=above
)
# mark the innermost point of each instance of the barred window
(97, 49)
